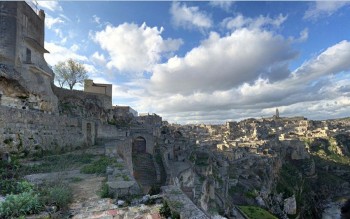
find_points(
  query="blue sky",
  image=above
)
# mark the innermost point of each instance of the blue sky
(209, 62)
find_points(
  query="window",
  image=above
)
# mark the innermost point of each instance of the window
(25, 21)
(28, 56)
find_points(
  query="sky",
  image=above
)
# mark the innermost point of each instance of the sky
(210, 62)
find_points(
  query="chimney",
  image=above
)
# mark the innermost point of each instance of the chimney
(42, 14)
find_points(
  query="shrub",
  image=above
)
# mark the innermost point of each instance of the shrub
(8, 141)
(165, 210)
(104, 192)
(59, 195)
(11, 186)
(21, 204)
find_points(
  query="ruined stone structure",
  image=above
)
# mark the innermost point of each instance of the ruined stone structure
(36, 132)
(123, 110)
(25, 78)
(91, 87)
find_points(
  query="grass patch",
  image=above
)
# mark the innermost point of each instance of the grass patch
(253, 212)
(126, 178)
(76, 179)
(58, 163)
(104, 191)
(99, 166)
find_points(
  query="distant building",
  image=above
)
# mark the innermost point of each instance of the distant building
(277, 113)
(152, 119)
(123, 110)
(91, 87)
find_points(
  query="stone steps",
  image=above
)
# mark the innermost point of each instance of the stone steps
(144, 170)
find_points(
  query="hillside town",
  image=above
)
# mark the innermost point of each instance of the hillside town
(145, 167)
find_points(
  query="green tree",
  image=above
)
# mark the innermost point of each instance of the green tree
(70, 72)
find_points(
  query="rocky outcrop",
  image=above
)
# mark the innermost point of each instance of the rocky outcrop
(26, 90)
(290, 205)
(180, 203)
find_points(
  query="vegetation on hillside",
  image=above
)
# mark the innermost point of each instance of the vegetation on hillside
(253, 212)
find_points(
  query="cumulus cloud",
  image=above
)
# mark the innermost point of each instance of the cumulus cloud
(240, 21)
(323, 9)
(134, 48)
(221, 63)
(334, 59)
(98, 58)
(60, 53)
(311, 90)
(189, 17)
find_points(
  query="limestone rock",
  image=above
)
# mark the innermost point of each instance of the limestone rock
(120, 202)
(260, 201)
(290, 205)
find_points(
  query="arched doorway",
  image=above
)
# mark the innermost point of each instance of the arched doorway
(139, 145)
(143, 166)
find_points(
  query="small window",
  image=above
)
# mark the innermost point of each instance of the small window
(25, 21)
(28, 56)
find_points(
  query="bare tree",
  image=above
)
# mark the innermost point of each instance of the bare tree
(70, 72)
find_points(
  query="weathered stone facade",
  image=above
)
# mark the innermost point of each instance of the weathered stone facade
(32, 131)
(22, 59)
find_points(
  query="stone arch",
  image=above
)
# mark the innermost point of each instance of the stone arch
(139, 145)
(149, 138)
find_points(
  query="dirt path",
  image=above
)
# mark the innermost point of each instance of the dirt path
(87, 189)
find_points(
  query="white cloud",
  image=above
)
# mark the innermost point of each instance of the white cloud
(50, 21)
(221, 63)
(225, 5)
(50, 5)
(98, 58)
(134, 48)
(58, 32)
(96, 19)
(189, 17)
(240, 21)
(333, 60)
(304, 35)
(59, 53)
(323, 8)
(311, 90)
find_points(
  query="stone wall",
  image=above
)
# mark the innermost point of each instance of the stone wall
(110, 131)
(102, 100)
(77, 103)
(121, 148)
(27, 130)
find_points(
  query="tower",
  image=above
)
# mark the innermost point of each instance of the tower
(277, 113)
(22, 62)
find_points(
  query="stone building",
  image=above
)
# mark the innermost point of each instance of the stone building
(90, 86)
(25, 78)
(123, 110)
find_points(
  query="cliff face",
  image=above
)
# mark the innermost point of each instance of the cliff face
(299, 180)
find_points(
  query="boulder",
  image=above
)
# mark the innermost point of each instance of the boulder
(290, 205)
